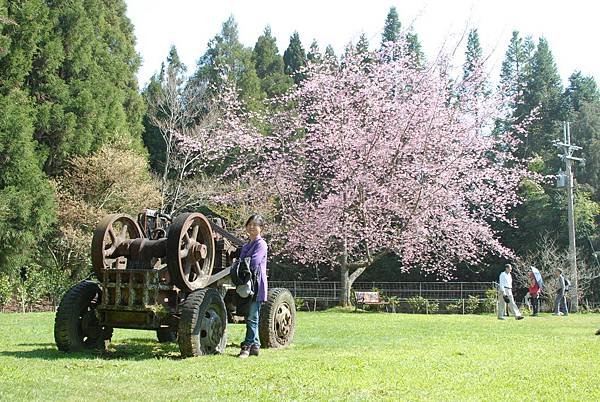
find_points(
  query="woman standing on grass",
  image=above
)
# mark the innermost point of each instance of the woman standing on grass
(256, 249)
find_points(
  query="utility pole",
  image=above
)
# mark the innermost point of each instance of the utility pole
(567, 155)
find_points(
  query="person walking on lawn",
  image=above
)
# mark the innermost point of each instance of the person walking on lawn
(560, 303)
(535, 289)
(505, 295)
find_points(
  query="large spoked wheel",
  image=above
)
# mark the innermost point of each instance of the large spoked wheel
(277, 321)
(76, 326)
(190, 251)
(109, 234)
(203, 324)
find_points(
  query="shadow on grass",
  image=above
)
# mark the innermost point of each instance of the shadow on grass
(125, 349)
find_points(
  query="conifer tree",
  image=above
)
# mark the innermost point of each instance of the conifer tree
(330, 56)
(269, 65)
(294, 58)
(391, 29)
(78, 62)
(543, 91)
(473, 54)
(227, 57)
(414, 50)
(26, 198)
(314, 54)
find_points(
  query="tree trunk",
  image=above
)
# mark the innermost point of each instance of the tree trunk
(346, 285)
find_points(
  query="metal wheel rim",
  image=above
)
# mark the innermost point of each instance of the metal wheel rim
(211, 328)
(283, 322)
(88, 326)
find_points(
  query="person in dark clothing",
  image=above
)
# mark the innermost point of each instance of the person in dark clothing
(560, 303)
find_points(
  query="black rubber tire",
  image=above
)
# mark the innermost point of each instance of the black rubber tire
(166, 335)
(76, 325)
(203, 324)
(277, 322)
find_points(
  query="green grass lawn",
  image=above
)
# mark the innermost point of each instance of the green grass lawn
(336, 356)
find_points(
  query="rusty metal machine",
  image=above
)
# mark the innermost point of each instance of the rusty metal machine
(167, 275)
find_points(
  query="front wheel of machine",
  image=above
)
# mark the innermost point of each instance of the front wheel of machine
(77, 326)
(203, 324)
(277, 321)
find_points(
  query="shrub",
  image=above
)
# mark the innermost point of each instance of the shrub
(472, 304)
(432, 307)
(6, 291)
(418, 304)
(488, 304)
(393, 302)
(455, 308)
(31, 287)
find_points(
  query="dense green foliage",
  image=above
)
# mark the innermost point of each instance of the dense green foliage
(294, 58)
(383, 357)
(227, 59)
(26, 198)
(67, 87)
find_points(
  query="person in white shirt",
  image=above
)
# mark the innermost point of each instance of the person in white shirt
(505, 295)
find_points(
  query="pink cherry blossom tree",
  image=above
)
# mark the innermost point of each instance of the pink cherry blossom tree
(375, 157)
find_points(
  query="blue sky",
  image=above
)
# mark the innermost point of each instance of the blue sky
(571, 28)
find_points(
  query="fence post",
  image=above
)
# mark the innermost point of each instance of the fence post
(463, 303)
(335, 292)
(461, 292)
(294, 288)
(420, 285)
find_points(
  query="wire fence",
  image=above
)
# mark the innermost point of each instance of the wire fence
(325, 294)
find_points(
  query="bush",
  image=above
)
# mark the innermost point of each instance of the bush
(488, 304)
(393, 302)
(455, 308)
(418, 304)
(6, 291)
(432, 307)
(31, 286)
(472, 304)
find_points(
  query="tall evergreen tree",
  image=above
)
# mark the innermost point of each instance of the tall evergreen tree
(227, 57)
(294, 58)
(581, 90)
(77, 61)
(543, 90)
(26, 198)
(391, 29)
(473, 54)
(330, 56)
(414, 50)
(472, 67)
(314, 54)
(512, 71)
(269, 65)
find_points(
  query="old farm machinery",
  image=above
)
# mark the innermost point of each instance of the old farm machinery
(168, 275)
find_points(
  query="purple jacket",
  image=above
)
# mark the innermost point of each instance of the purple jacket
(257, 251)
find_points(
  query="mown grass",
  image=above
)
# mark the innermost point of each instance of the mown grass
(336, 355)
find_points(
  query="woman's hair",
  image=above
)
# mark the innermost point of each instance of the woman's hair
(257, 219)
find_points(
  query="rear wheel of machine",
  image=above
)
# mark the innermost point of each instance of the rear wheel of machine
(203, 324)
(277, 321)
(76, 326)
(166, 335)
